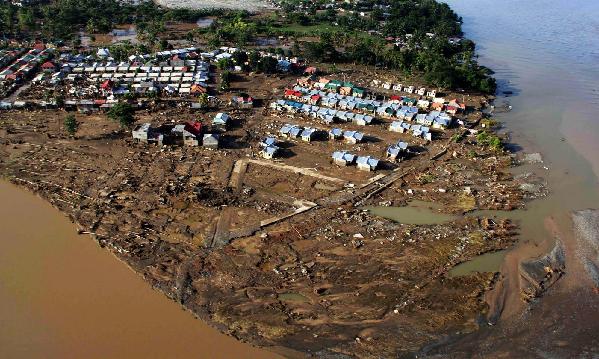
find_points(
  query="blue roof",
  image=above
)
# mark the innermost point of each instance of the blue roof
(367, 160)
(343, 156)
(269, 141)
(336, 132)
(271, 149)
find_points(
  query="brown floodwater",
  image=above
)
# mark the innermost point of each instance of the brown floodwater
(62, 296)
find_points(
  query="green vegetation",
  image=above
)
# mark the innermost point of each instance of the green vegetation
(203, 100)
(488, 139)
(411, 36)
(62, 19)
(122, 113)
(225, 80)
(365, 34)
(71, 124)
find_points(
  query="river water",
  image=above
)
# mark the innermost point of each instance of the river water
(62, 296)
(547, 54)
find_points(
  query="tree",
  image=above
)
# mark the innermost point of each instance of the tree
(268, 65)
(225, 81)
(59, 101)
(203, 100)
(71, 124)
(240, 57)
(224, 63)
(122, 113)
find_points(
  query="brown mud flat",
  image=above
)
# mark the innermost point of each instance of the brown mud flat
(369, 287)
(561, 324)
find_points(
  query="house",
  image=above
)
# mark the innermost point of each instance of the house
(210, 140)
(284, 66)
(353, 137)
(345, 91)
(293, 94)
(314, 99)
(359, 92)
(290, 131)
(198, 89)
(243, 101)
(268, 141)
(394, 151)
(441, 123)
(311, 70)
(221, 119)
(49, 66)
(343, 158)
(395, 126)
(188, 133)
(333, 85)
(269, 152)
(421, 91)
(142, 133)
(367, 163)
(103, 53)
(423, 104)
(335, 134)
(308, 134)
(363, 120)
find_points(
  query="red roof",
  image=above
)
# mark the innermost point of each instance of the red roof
(48, 65)
(105, 85)
(395, 98)
(293, 93)
(315, 97)
(99, 102)
(193, 127)
(195, 88)
(39, 46)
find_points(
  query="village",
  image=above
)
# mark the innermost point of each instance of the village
(240, 181)
(272, 172)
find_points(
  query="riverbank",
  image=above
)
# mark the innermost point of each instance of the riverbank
(553, 101)
(62, 295)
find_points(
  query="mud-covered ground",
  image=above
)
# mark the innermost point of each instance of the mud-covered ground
(331, 279)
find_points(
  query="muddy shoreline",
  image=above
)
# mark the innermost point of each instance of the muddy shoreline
(363, 277)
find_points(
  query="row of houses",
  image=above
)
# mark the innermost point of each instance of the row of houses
(402, 108)
(417, 130)
(363, 163)
(422, 91)
(25, 66)
(327, 115)
(270, 149)
(434, 119)
(187, 134)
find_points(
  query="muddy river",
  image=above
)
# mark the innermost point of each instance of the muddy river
(546, 54)
(62, 296)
